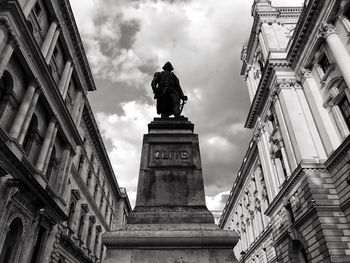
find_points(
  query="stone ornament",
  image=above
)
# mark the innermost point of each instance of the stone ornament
(326, 30)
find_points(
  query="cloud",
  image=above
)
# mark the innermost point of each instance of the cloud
(217, 202)
(127, 41)
(122, 133)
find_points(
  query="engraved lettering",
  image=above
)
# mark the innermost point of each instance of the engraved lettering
(157, 155)
(184, 155)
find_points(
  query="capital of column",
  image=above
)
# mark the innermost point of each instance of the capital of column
(326, 30)
(275, 90)
(5, 25)
(54, 120)
(303, 74)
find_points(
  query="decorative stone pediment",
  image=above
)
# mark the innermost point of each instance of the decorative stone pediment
(76, 194)
(92, 219)
(85, 208)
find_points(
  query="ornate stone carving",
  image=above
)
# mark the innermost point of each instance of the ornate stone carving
(303, 74)
(325, 30)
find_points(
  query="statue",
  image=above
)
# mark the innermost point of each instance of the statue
(168, 93)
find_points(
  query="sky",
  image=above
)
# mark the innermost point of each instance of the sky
(127, 41)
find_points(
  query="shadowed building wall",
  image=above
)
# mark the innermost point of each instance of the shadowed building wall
(290, 200)
(58, 192)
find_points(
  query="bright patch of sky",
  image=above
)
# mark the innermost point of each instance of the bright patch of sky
(127, 41)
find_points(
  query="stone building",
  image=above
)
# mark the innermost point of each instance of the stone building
(58, 191)
(290, 201)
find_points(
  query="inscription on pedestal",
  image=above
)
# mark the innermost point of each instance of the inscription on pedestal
(170, 155)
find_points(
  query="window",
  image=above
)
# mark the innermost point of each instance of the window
(96, 191)
(81, 224)
(347, 12)
(71, 214)
(344, 106)
(101, 203)
(30, 135)
(12, 241)
(97, 240)
(324, 63)
(53, 165)
(88, 240)
(37, 9)
(39, 245)
(81, 162)
(88, 180)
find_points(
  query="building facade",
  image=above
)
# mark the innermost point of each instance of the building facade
(58, 192)
(290, 201)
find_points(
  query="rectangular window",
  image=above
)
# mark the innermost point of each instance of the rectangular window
(324, 63)
(37, 9)
(344, 106)
(39, 246)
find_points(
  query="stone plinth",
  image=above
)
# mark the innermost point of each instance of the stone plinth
(170, 222)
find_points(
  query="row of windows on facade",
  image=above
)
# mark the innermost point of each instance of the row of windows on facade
(32, 142)
(13, 242)
(250, 222)
(32, 139)
(81, 220)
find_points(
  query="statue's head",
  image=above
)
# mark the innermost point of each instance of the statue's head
(168, 66)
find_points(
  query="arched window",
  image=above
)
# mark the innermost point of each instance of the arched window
(53, 164)
(12, 241)
(6, 89)
(31, 134)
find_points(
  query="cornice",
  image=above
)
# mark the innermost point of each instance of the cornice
(260, 95)
(249, 158)
(77, 43)
(96, 137)
(303, 29)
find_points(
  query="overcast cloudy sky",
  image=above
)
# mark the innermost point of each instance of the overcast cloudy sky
(128, 40)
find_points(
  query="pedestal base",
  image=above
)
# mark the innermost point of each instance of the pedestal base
(170, 243)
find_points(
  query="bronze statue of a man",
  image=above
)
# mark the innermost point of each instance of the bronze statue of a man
(167, 90)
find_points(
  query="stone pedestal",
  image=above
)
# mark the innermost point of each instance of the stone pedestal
(170, 222)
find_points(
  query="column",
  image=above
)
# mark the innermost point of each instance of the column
(300, 130)
(48, 38)
(46, 144)
(52, 46)
(28, 116)
(65, 78)
(28, 7)
(335, 45)
(23, 109)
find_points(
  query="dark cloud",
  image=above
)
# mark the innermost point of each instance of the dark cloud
(128, 31)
